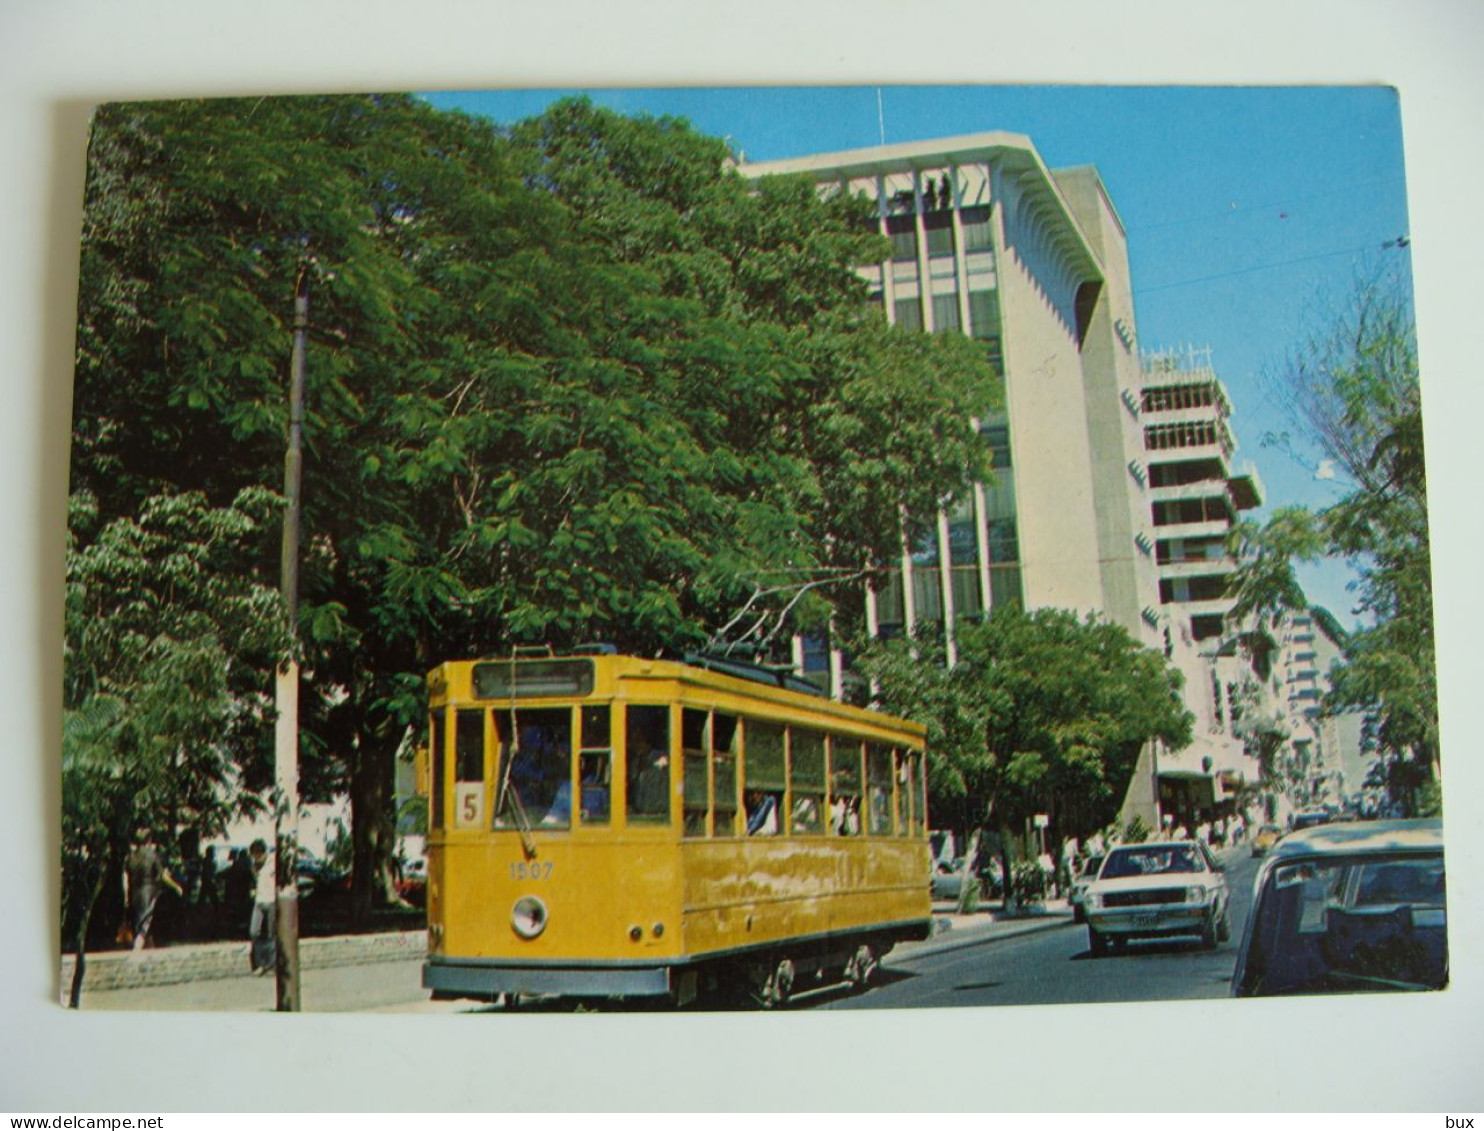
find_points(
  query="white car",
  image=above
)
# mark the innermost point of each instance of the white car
(1156, 890)
(1077, 897)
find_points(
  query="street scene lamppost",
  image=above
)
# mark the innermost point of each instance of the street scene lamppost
(286, 727)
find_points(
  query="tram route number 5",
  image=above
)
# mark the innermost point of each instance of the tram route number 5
(468, 808)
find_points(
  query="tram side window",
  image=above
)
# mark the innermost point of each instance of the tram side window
(806, 780)
(878, 790)
(909, 782)
(595, 764)
(905, 776)
(764, 777)
(438, 758)
(535, 767)
(921, 801)
(696, 793)
(845, 787)
(647, 765)
(468, 770)
(725, 736)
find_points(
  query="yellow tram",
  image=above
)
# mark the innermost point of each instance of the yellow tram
(608, 826)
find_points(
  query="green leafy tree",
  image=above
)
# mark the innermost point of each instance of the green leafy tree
(1355, 385)
(167, 644)
(1043, 712)
(575, 382)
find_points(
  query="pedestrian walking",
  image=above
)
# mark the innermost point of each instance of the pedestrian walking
(237, 894)
(262, 925)
(145, 876)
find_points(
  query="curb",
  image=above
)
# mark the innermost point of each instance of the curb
(978, 936)
(205, 962)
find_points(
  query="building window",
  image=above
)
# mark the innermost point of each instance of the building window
(1184, 472)
(997, 436)
(945, 313)
(902, 231)
(978, 235)
(927, 593)
(1176, 512)
(984, 325)
(1004, 587)
(967, 599)
(1186, 434)
(1167, 398)
(908, 313)
(938, 227)
(963, 545)
(889, 608)
(984, 314)
(1004, 541)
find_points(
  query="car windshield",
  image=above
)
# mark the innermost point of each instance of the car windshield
(1092, 866)
(1152, 860)
(1347, 924)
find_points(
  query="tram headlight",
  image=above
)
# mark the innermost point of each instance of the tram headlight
(528, 917)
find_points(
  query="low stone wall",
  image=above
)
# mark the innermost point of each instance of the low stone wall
(123, 969)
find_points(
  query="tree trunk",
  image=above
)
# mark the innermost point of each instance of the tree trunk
(373, 825)
(968, 891)
(74, 996)
(1010, 900)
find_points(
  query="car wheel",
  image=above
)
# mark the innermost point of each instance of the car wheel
(1209, 932)
(1224, 928)
(1097, 943)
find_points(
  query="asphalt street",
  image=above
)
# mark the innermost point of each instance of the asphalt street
(1056, 967)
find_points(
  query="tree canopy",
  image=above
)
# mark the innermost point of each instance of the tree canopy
(1043, 712)
(1355, 385)
(569, 381)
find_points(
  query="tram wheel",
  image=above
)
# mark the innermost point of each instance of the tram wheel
(863, 968)
(776, 987)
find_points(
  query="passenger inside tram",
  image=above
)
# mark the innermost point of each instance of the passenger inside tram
(762, 813)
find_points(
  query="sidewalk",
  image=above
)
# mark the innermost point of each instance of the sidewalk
(208, 962)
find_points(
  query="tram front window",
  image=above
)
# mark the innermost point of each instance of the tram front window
(535, 768)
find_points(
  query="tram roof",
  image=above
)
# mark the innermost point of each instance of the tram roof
(721, 677)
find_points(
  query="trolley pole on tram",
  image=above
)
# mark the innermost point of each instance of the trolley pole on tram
(286, 728)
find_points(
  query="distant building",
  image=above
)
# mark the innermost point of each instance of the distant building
(1329, 755)
(1196, 497)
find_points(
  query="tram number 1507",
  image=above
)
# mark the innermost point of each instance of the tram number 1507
(531, 869)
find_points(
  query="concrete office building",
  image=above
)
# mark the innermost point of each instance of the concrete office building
(1197, 495)
(985, 240)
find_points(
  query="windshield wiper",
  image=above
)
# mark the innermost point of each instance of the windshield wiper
(510, 802)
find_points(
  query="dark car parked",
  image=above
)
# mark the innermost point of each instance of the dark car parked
(1344, 908)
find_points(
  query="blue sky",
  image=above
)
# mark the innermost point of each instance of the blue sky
(1244, 205)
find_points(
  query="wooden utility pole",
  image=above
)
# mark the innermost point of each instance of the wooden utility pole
(286, 729)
